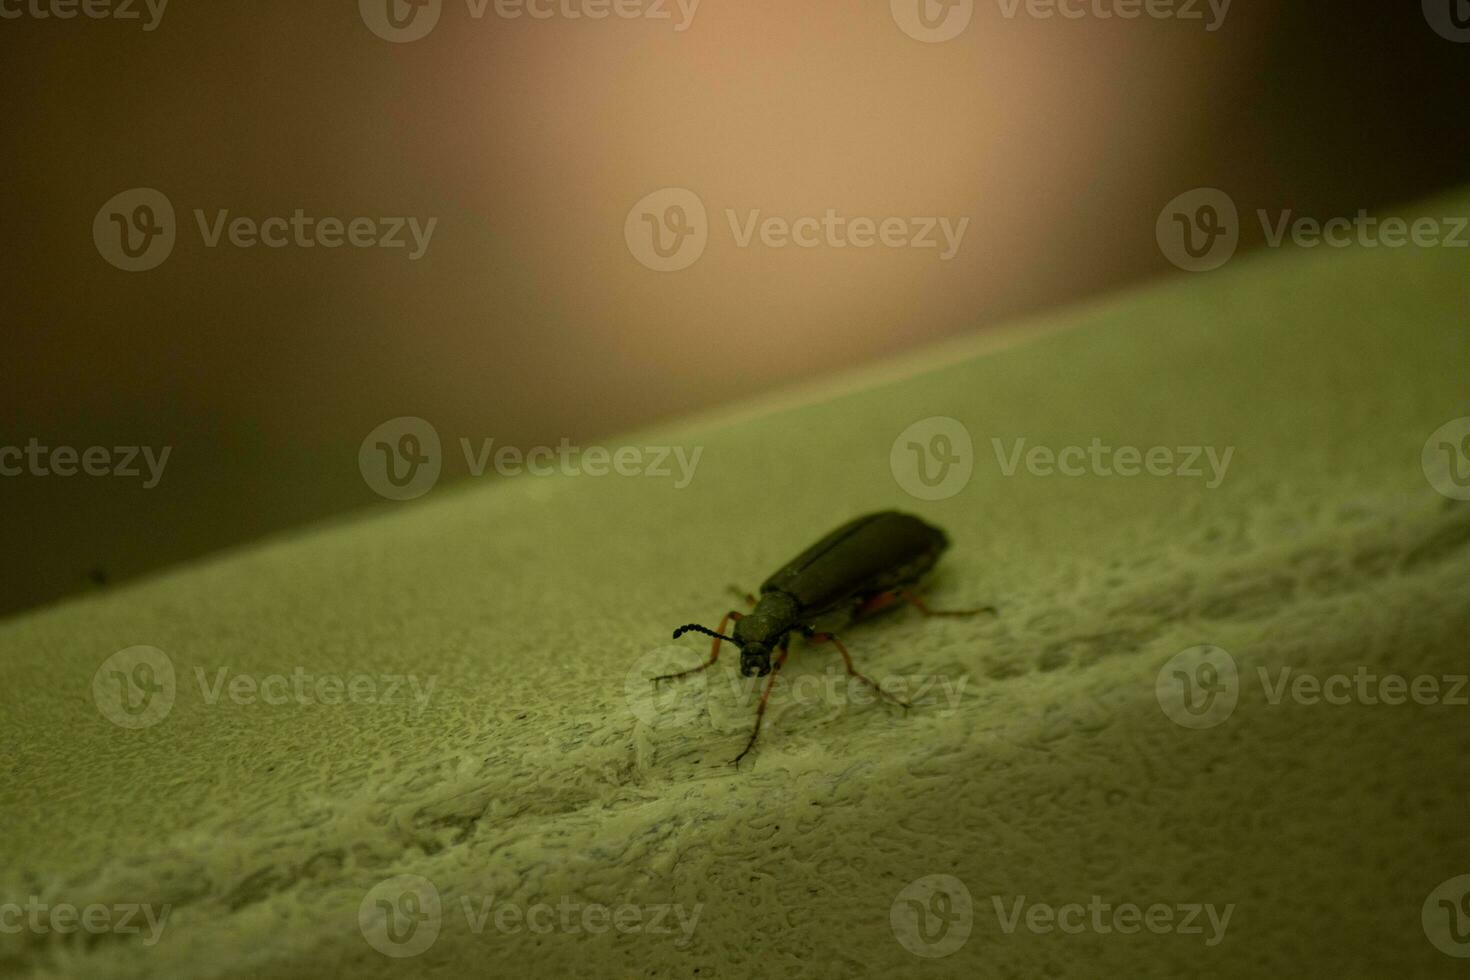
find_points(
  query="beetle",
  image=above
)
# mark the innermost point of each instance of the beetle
(862, 567)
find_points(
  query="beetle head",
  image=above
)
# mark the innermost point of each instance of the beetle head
(755, 659)
(753, 641)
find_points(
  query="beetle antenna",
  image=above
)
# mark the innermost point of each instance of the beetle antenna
(696, 628)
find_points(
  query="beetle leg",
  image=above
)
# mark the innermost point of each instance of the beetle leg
(714, 650)
(819, 638)
(923, 607)
(740, 593)
(875, 603)
(766, 696)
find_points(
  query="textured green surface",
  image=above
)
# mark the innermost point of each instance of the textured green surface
(529, 778)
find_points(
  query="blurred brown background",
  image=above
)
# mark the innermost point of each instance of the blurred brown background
(528, 318)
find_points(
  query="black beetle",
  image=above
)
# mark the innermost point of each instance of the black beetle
(862, 567)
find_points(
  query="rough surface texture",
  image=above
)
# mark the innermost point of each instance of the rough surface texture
(540, 606)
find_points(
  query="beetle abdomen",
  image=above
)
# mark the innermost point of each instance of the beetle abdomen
(873, 553)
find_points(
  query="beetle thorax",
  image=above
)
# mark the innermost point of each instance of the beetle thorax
(773, 617)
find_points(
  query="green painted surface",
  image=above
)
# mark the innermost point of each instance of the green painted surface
(534, 606)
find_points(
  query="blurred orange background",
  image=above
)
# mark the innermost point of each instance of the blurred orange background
(528, 318)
